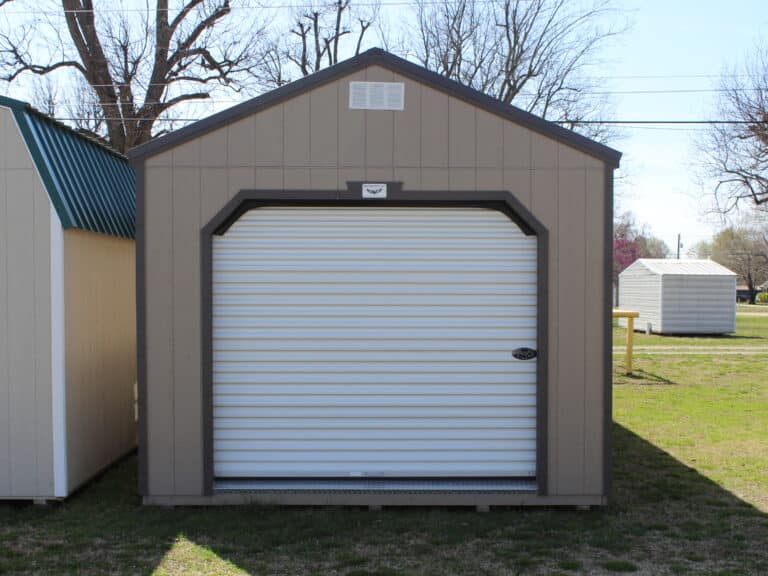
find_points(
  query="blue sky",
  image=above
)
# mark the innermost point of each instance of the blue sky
(675, 39)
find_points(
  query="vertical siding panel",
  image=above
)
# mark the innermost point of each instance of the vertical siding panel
(213, 149)
(594, 313)
(380, 127)
(188, 154)
(268, 137)
(434, 179)
(517, 146)
(241, 142)
(324, 125)
(570, 333)
(461, 132)
(296, 128)
(408, 126)
(187, 389)
(461, 178)
(489, 136)
(159, 296)
(520, 183)
(5, 391)
(297, 179)
(21, 324)
(351, 126)
(214, 192)
(489, 179)
(379, 174)
(269, 178)
(324, 178)
(543, 152)
(350, 175)
(240, 179)
(544, 205)
(42, 350)
(410, 177)
(434, 129)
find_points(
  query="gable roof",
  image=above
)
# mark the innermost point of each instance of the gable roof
(378, 57)
(91, 186)
(669, 267)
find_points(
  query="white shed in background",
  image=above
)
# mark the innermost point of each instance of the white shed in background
(680, 296)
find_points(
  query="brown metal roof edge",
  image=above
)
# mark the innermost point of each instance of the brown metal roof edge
(379, 57)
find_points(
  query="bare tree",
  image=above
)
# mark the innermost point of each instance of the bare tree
(735, 154)
(536, 54)
(138, 64)
(319, 36)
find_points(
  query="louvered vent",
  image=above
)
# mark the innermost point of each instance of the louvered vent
(376, 95)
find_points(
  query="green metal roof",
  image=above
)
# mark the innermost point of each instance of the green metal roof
(91, 186)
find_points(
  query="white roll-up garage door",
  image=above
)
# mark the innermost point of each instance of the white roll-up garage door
(373, 342)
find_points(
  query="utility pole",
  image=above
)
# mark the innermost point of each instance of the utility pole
(679, 245)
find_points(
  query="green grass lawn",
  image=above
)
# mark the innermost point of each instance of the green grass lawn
(690, 497)
(750, 331)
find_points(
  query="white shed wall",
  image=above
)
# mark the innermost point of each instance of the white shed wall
(698, 304)
(640, 290)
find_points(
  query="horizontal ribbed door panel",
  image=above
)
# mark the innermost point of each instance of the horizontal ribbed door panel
(355, 342)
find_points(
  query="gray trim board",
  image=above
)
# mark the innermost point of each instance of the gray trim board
(141, 331)
(249, 199)
(378, 57)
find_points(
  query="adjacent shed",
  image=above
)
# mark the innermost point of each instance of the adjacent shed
(67, 306)
(374, 286)
(680, 296)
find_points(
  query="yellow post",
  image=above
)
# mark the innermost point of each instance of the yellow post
(630, 315)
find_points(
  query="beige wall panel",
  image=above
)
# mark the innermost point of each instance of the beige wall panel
(544, 206)
(517, 146)
(28, 335)
(241, 142)
(100, 324)
(434, 128)
(407, 126)
(351, 125)
(163, 159)
(461, 134)
(350, 175)
(324, 178)
(379, 174)
(543, 152)
(240, 179)
(43, 345)
(434, 179)
(489, 135)
(5, 390)
(16, 153)
(571, 347)
(296, 179)
(410, 177)
(461, 178)
(269, 178)
(324, 125)
(379, 138)
(213, 148)
(159, 329)
(489, 179)
(268, 148)
(214, 191)
(187, 388)
(520, 183)
(296, 122)
(568, 157)
(594, 321)
(188, 154)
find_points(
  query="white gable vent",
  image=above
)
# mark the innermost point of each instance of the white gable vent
(376, 95)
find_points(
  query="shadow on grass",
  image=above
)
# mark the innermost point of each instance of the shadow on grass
(642, 378)
(663, 514)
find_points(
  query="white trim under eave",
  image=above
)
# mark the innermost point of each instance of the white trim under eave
(58, 364)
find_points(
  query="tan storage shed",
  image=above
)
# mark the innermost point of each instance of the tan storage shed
(67, 306)
(374, 286)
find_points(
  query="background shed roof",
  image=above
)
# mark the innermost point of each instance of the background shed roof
(91, 186)
(664, 267)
